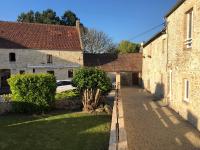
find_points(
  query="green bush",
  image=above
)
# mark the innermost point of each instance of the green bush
(93, 84)
(32, 93)
(7, 97)
(67, 95)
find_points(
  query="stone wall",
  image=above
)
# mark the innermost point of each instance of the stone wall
(154, 66)
(185, 63)
(5, 107)
(27, 60)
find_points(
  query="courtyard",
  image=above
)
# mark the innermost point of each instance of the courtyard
(152, 126)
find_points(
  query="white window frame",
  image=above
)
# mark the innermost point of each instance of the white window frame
(186, 90)
(189, 16)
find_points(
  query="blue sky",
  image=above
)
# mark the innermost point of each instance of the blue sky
(120, 19)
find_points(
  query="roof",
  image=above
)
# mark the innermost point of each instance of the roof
(157, 35)
(38, 36)
(179, 3)
(131, 62)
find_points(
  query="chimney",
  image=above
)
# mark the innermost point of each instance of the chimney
(141, 47)
(78, 27)
(77, 24)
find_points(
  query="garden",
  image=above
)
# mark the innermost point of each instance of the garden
(36, 117)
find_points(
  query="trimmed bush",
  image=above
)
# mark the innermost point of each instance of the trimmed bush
(67, 95)
(32, 93)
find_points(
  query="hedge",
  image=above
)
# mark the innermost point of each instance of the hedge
(32, 93)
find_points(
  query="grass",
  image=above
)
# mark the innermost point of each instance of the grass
(61, 131)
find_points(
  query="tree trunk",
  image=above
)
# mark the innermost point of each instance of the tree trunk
(91, 99)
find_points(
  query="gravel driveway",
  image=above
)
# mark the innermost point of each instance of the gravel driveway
(150, 126)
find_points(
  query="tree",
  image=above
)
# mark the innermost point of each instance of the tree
(128, 47)
(93, 84)
(48, 17)
(26, 17)
(97, 42)
(69, 18)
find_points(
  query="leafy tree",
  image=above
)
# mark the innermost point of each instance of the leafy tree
(48, 17)
(69, 18)
(128, 47)
(92, 83)
(26, 17)
(97, 42)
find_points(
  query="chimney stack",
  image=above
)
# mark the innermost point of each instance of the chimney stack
(78, 27)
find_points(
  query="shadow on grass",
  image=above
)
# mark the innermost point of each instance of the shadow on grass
(73, 131)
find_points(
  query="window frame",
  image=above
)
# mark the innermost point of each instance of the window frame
(189, 28)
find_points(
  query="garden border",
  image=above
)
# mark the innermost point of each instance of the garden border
(118, 138)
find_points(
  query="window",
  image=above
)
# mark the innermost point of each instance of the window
(50, 72)
(21, 71)
(49, 59)
(70, 73)
(189, 28)
(12, 57)
(186, 90)
(163, 45)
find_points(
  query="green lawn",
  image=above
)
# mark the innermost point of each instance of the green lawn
(61, 131)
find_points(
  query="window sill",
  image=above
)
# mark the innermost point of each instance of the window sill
(187, 101)
(187, 48)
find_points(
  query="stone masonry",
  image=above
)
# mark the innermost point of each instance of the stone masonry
(28, 60)
(182, 63)
(154, 65)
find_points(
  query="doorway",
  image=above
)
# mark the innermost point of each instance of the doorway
(4, 75)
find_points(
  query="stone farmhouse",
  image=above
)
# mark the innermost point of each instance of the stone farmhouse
(171, 61)
(39, 48)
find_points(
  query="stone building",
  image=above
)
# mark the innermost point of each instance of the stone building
(39, 48)
(154, 64)
(125, 69)
(182, 58)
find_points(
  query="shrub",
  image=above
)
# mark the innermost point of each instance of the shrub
(92, 83)
(7, 97)
(32, 93)
(67, 95)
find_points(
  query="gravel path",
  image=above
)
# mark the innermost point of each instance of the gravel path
(150, 126)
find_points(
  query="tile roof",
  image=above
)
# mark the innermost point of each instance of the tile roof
(38, 36)
(131, 62)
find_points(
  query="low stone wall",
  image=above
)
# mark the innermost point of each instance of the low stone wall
(69, 105)
(118, 138)
(5, 107)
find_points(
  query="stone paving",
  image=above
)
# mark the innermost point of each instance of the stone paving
(150, 126)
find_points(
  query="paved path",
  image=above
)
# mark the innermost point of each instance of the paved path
(150, 126)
